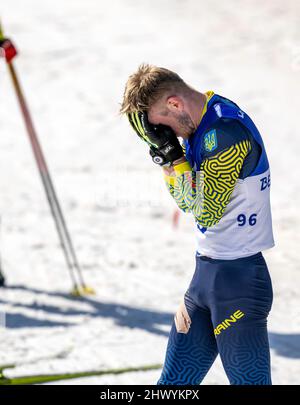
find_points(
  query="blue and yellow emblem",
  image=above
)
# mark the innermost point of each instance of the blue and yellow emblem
(210, 140)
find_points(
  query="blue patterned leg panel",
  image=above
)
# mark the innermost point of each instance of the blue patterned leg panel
(190, 356)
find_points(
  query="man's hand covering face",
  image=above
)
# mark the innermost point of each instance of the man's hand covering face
(164, 145)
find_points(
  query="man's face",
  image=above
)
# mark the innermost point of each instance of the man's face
(173, 113)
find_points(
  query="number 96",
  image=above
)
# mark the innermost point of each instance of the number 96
(242, 219)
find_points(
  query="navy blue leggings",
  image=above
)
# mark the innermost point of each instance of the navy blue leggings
(227, 302)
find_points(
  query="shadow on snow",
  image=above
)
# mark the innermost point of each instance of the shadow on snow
(124, 315)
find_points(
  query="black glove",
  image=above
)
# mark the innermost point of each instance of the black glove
(164, 145)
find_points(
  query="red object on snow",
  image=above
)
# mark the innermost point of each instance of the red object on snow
(8, 50)
(175, 219)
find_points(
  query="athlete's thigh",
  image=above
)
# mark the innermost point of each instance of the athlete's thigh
(191, 347)
(239, 313)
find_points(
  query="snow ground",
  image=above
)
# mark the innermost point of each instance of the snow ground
(75, 57)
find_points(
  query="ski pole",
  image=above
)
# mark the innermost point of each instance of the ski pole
(56, 211)
(2, 279)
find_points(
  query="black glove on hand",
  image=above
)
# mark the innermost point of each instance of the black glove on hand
(164, 145)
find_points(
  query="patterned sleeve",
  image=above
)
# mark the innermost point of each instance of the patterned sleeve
(207, 192)
(176, 189)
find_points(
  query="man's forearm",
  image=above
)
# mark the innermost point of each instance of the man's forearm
(171, 173)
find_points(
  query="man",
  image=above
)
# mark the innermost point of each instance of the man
(221, 175)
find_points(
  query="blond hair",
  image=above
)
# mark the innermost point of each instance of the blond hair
(147, 85)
